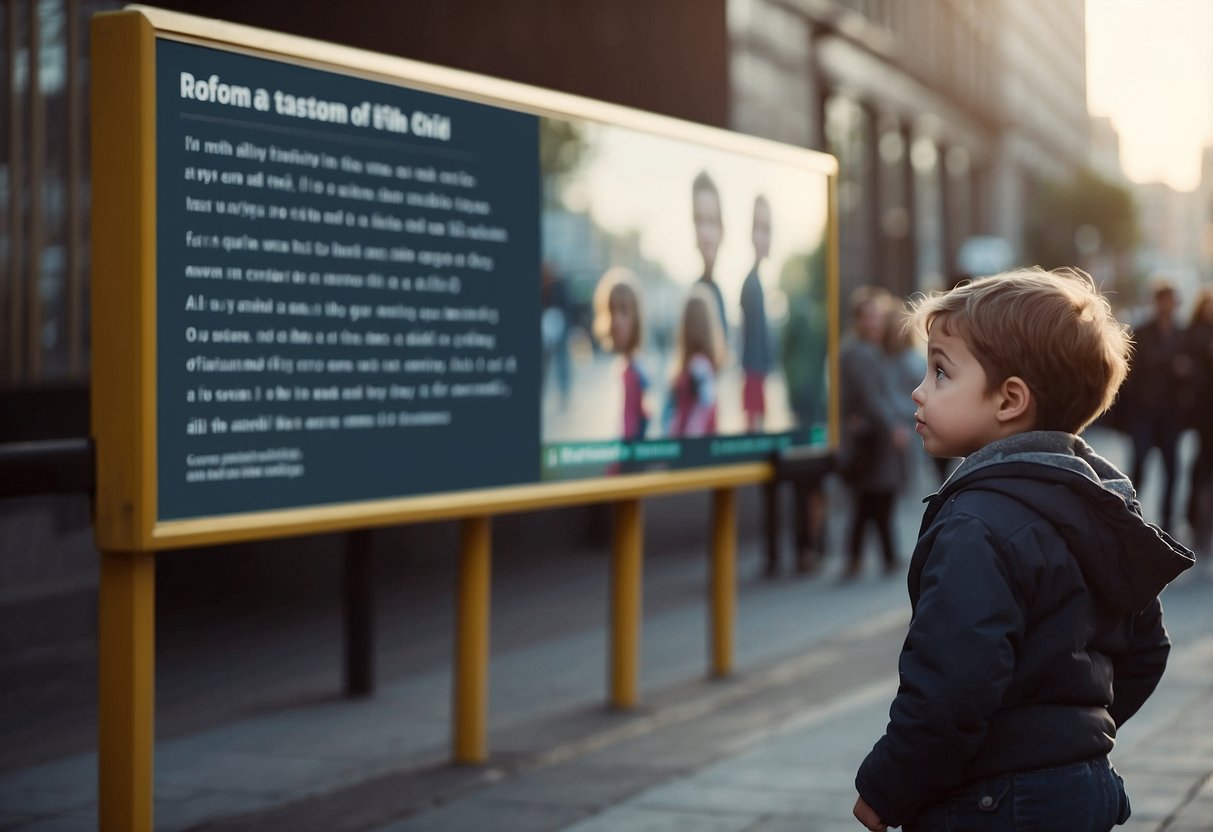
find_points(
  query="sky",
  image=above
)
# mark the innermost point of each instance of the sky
(1150, 68)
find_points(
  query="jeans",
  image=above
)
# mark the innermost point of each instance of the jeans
(1080, 797)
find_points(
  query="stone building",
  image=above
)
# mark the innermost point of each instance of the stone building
(944, 115)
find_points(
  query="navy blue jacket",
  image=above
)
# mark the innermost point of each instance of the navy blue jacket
(1036, 627)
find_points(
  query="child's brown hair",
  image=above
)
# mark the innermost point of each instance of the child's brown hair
(699, 329)
(1053, 329)
(617, 286)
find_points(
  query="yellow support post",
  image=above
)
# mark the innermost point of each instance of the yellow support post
(723, 579)
(470, 741)
(626, 602)
(126, 691)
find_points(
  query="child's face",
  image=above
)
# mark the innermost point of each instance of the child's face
(709, 227)
(623, 323)
(956, 411)
(762, 231)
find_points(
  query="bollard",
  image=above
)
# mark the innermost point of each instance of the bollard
(471, 689)
(626, 603)
(723, 580)
(126, 691)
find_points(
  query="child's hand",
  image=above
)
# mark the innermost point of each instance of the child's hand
(865, 815)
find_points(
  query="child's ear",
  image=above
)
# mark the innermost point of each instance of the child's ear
(1016, 400)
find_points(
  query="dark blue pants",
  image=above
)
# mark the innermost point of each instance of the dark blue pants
(1081, 797)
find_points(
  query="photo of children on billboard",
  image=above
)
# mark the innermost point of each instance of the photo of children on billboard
(684, 302)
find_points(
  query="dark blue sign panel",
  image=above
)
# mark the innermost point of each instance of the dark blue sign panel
(347, 289)
(366, 291)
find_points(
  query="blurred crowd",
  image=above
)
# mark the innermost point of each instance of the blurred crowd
(1169, 392)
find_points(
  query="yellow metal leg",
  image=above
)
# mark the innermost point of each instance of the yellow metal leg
(126, 691)
(626, 598)
(723, 579)
(470, 744)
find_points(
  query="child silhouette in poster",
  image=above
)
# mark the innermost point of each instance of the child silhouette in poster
(700, 354)
(755, 333)
(709, 232)
(618, 325)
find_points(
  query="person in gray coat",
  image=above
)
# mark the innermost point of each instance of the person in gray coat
(875, 431)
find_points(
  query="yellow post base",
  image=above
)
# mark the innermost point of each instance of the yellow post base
(471, 690)
(126, 689)
(723, 579)
(626, 602)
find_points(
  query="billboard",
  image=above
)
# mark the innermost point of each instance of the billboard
(363, 285)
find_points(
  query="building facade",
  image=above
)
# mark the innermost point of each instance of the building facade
(944, 115)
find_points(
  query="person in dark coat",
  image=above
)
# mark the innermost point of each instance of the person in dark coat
(1157, 394)
(1200, 478)
(1036, 628)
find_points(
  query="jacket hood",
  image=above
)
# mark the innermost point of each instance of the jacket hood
(1093, 506)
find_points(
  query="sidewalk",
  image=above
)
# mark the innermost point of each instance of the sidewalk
(547, 689)
(798, 775)
(751, 755)
(772, 748)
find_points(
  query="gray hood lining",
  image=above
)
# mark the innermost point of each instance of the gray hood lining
(1054, 448)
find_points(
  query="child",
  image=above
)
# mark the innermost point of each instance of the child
(1036, 629)
(755, 334)
(701, 350)
(618, 325)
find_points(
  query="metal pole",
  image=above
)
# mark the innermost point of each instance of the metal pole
(772, 517)
(470, 743)
(126, 691)
(359, 611)
(626, 603)
(75, 174)
(16, 208)
(37, 165)
(723, 579)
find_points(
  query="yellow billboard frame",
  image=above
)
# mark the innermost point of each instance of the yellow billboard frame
(124, 275)
(124, 401)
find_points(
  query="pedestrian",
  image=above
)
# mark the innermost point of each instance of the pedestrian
(803, 353)
(1156, 394)
(1200, 479)
(904, 365)
(875, 432)
(1036, 629)
(554, 324)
